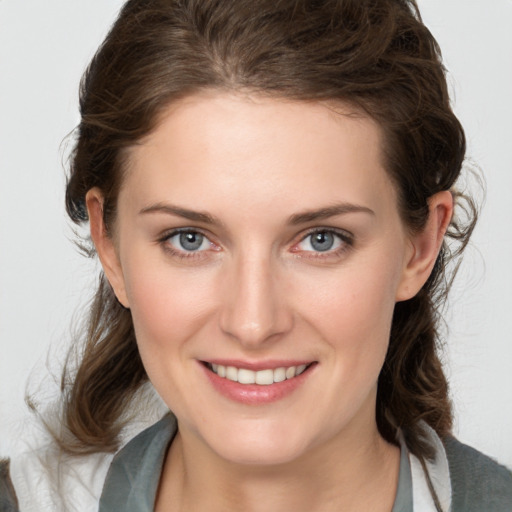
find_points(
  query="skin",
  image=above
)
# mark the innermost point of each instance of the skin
(257, 290)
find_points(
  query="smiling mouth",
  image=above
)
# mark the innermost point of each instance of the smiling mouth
(261, 377)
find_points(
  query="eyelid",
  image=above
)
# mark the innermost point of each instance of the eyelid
(342, 233)
(174, 251)
(169, 233)
(347, 240)
(346, 237)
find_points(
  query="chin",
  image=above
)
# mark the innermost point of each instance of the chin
(249, 455)
(258, 446)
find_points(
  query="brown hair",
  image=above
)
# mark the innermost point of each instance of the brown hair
(373, 54)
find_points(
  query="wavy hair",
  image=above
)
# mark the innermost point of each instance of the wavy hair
(375, 55)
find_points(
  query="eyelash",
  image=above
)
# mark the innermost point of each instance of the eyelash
(183, 254)
(345, 238)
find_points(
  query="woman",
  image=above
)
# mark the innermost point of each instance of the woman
(269, 190)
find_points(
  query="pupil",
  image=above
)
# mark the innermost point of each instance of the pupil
(191, 241)
(322, 241)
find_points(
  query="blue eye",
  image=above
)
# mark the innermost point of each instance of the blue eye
(189, 241)
(322, 241)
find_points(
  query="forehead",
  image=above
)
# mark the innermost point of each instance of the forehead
(248, 150)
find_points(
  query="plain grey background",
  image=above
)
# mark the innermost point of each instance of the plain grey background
(44, 282)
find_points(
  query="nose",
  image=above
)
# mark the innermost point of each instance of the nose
(254, 309)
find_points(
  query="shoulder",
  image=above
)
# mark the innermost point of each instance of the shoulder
(47, 480)
(478, 482)
(8, 500)
(134, 474)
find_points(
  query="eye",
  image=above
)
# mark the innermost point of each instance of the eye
(323, 241)
(188, 241)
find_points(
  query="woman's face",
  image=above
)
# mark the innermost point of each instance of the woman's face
(260, 238)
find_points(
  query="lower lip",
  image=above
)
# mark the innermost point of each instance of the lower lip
(255, 394)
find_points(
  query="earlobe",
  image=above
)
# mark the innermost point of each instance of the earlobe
(425, 245)
(105, 246)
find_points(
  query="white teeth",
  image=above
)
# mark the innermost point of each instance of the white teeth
(261, 377)
(279, 374)
(265, 377)
(290, 372)
(231, 373)
(246, 376)
(300, 369)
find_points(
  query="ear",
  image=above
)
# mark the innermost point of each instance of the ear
(425, 245)
(105, 245)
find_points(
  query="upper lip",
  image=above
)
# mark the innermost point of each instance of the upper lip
(260, 365)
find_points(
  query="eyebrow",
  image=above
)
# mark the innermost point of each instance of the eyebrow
(325, 213)
(178, 211)
(298, 218)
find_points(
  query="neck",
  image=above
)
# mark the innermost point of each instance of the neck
(356, 470)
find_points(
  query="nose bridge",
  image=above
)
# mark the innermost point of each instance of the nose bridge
(254, 310)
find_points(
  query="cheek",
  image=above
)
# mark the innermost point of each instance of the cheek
(352, 310)
(169, 308)
(166, 306)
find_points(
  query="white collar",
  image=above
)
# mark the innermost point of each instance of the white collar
(437, 471)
